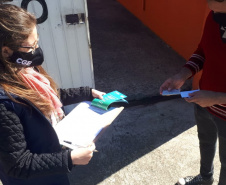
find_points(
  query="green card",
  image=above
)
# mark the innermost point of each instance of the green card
(108, 99)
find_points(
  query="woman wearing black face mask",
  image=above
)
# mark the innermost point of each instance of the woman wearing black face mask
(210, 101)
(30, 153)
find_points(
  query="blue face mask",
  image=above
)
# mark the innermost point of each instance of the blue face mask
(28, 59)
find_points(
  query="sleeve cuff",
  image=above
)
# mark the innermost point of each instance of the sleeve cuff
(70, 164)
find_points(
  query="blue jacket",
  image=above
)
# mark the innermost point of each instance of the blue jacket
(30, 153)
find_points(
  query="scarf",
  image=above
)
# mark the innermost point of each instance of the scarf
(41, 84)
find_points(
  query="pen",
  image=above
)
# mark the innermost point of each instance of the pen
(79, 146)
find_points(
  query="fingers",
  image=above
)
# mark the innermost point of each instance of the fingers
(92, 147)
(192, 98)
(100, 96)
(82, 156)
(97, 94)
(164, 86)
(161, 89)
(167, 86)
(172, 83)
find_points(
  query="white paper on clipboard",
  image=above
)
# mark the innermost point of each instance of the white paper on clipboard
(83, 124)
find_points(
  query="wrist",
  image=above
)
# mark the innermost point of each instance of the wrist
(72, 157)
(184, 73)
(70, 162)
(220, 97)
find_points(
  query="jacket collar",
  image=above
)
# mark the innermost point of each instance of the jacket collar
(3, 95)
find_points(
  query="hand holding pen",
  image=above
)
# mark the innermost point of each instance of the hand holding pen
(74, 145)
(82, 156)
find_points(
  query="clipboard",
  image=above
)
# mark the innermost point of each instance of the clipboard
(84, 123)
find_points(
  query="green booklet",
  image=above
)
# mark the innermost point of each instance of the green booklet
(108, 99)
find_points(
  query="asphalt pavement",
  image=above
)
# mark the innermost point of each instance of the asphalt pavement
(154, 140)
(146, 145)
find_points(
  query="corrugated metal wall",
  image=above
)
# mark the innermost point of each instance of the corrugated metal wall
(66, 47)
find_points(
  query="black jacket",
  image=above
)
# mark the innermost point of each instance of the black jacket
(30, 153)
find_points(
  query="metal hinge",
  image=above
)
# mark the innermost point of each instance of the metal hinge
(73, 19)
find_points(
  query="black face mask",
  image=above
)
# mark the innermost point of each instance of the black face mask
(28, 59)
(220, 18)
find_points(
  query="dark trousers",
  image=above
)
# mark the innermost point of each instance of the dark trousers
(211, 128)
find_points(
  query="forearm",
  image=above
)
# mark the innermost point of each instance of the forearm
(29, 165)
(184, 73)
(17, 160)
(220, 98)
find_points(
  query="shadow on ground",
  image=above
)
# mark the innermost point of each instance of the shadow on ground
(138, 131)
(128, 57)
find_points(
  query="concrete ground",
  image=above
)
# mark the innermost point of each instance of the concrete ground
(154, 140)
(147, 145)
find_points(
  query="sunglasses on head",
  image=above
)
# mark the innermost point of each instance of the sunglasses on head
(219, 0)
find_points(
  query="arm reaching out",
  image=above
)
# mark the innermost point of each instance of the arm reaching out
(207, 98)
(176, 81)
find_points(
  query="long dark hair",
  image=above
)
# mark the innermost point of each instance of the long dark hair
(16, 24)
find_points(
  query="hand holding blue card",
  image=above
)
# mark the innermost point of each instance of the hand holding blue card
(185, 94)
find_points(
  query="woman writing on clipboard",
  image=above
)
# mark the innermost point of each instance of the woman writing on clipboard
(30, 153)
